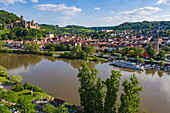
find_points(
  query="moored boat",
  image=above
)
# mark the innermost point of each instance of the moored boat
(126, 64)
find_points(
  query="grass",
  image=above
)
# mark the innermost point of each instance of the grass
(3, 79)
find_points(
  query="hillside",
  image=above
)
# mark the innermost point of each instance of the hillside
(70, 29)
(145, 25)
(7, 18)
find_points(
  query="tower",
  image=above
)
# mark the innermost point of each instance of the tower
(32, 22)
(22, 18)
(156, 43)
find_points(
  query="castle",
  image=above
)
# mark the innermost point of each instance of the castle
(23, 24)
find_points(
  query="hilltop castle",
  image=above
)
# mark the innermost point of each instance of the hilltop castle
(24, 24)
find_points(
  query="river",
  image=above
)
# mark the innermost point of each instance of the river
(58, 77)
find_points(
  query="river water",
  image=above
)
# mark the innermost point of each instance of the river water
(58, 77)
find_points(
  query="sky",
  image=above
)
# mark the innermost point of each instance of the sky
(88, 12)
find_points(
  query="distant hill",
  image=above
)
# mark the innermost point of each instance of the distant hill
(145, 25)
(70, 29)
(101, 28)
(7, 18)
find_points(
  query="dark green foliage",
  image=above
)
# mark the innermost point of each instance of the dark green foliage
(49, 109)
(7, 18)
(71, 29)
(10, 96)
(145, 25)
(90, 90)
(4, 109)
(3, 71)
(17, 88)
(112, 85)
(36, 89)
(130, 100)
(32, 47)
(15, 78)
(161, 63)
(27, 86)
(161, 54)
(19, 33)
(25, 104)
(150, 51)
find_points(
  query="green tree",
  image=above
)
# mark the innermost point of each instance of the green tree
(125, 58)
(166, 48)
(161, 54)
(4, 109)
(15, 78)
(17, 88)
(10, 96)
(36, 89)
(62, 109)
(25, 104)
(130, 100)
(112, 52)
(90, 89)
(3, 71)
(75, 50)
(69, 47)
(81, 54)
(112, 85)
(151, 60)
(33, 47)
(2, 43)
(50, 109)
(141, 60)
(27, 86)
(89, 50)
(139, 51)
(150, 51)
(161, 63)
(52, 49)
(137, 58)
(119, 56)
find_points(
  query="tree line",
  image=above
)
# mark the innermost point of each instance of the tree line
(94, 99)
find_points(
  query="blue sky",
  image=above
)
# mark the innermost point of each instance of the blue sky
(89, 12)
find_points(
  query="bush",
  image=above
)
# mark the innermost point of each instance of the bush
(17, 88)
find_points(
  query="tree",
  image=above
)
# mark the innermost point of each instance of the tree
(69, 47)
(36, 89)
(3, 71)
(150, 51)
(161, 63)
(89, 50)
(119, 56)
(10, 96)
(33, 47)
(75, 50)
(112, 52)
(130, 99)
(27, 86)
(141, 60)
(17, 88)
(162, 54)
(90, 90)
(4, 109)
(52, 49)
(167, 49)
(15, 78)
(137, 58)
(139, 51)
(112, 85)
(25, 104)
(2, 43)
(81, 54)
(61, 109)
(50, 109)
(131, 52)
(125, 58)
(151, 60)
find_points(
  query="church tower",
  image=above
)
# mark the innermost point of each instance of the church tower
(155, 43)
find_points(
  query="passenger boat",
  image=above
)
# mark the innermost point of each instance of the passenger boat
(126, 64)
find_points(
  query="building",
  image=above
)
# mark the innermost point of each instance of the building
(23, 24)
(49, 35)
(155, 41)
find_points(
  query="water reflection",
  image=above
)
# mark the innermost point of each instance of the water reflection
(58, 77)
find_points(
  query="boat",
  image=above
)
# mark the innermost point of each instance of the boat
(126, 64)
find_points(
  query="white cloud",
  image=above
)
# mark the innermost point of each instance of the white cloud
(34, 1)
(112, 12)
(6, 2)
(142, 11)
(59, 8)
(97, 8)
(163, 2)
